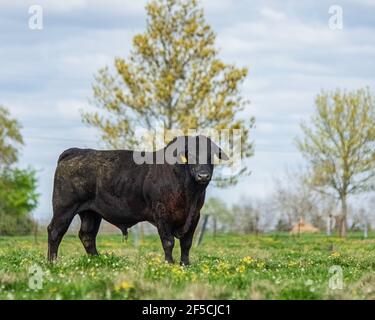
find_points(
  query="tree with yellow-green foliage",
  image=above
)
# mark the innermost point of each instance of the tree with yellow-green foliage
(340, 145)
(173, 79)
(10, 138)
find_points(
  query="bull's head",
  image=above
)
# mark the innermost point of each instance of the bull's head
(197, 153)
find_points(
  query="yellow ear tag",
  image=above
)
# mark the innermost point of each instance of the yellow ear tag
(183, 159)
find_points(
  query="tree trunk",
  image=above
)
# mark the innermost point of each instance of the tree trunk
(365, 230)
(214, 226)
(343, 218)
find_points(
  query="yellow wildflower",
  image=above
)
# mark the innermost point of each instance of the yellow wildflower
(335, 254)
(124, 285)
(240, 269)
(247, 260)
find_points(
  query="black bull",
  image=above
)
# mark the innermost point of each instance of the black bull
(114, 186)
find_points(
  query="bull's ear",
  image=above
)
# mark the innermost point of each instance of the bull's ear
(219, 152)
(222, 155)
(183, 158)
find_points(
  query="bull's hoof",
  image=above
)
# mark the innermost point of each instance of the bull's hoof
(52, 260)
(169, 261)
(93, 254)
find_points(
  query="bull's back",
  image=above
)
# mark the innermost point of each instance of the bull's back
(83, 174)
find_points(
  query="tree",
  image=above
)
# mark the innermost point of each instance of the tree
(10, 138)
(18, 197)
(173, 79)
(340, 145)
(294, 199)
(363, 214)
(252, 216)
(217, 209)
(371, 212)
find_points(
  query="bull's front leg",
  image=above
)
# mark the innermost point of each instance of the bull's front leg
(164, 230)
(186, 242)
(167, 240)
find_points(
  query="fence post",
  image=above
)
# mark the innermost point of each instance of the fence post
(203, 229)
(365, 230)
(329, 225)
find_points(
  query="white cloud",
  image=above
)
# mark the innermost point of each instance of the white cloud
(369, 3)
(272, 14)
(66, 6)
(218, 6)
(70, 109)
(283, 35)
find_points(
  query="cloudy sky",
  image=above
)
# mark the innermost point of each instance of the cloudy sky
(46, 75)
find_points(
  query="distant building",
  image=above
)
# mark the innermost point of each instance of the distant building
(303, 227)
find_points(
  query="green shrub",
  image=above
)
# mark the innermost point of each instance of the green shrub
(18, 198)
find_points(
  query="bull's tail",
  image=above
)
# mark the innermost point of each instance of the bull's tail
(67, 153)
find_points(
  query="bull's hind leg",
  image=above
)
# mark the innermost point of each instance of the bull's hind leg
(57, 229)
(90, 223)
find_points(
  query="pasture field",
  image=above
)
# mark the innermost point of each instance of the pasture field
(272, 266)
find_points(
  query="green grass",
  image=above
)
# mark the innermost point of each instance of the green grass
(274, 266)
